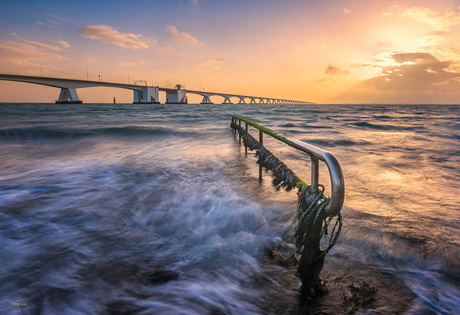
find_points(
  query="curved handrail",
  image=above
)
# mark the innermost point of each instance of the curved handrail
(315, 153)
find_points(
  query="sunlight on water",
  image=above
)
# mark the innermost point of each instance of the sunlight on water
(157, 209)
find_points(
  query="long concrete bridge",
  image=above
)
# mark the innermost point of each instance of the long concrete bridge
(143, 94)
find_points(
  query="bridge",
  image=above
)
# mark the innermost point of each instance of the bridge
(142, 94)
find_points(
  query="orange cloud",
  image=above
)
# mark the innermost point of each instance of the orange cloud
(130, 63)
(335, 71)
(63, 43)
(182, 38)
(213, 64)
(164, 48)
(25, 54)
(41, 45)
(416, 72)
(439, 21)
(109, 35)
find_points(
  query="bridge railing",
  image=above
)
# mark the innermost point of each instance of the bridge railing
(316, 154)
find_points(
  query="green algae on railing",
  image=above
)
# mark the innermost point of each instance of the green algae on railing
(314, 210)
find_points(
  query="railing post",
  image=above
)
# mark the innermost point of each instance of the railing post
(239, 123)
(316, 154)
(245, 147)
(261, 141)
(314, 174)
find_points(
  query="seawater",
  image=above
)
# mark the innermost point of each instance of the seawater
(156, 209)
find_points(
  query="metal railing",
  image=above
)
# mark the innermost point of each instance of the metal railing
(316, 154)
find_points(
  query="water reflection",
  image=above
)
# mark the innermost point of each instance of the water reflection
(161, 211)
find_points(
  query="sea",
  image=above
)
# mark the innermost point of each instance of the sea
(158, 209)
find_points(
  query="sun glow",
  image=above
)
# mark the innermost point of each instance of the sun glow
(315, 52)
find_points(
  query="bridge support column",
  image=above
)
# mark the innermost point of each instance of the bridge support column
(68, 96)
(146, 95)
(137, 97)
(253, 101)
(241, 101)
(176, 96)
(227, 100)
(206, 100)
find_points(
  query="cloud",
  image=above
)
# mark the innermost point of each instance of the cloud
(63, 43)
(335, 71)
(26, 54)
(164, 48)
(417, 57)
(109, 35)
(429, 41)
(30, 53)
(439, 21)
(212, 64)
(450, 53)
(54, 22)
(41, 45)
(182, 38)
(416, 72)
(130, 63)
(383, 43)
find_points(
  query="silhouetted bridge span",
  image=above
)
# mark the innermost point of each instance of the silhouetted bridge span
(143, 94)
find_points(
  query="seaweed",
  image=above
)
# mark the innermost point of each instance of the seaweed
(312, 220)
(283, 175)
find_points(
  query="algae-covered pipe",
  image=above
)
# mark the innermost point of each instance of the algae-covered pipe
(335, 171)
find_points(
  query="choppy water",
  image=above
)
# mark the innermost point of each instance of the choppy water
(133, 209)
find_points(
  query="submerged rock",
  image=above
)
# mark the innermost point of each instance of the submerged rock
(359, 295)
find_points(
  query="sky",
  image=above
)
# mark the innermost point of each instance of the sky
(335, 51)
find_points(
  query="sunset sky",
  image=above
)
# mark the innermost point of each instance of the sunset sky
(335, 51)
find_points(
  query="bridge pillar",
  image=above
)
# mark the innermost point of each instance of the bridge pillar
(253, 101)
(241, 101)
(137, 97)
(177, 96)
(68, 96)
(146, 95)
(206, 100)
(227, 100)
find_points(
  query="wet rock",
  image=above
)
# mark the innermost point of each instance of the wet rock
(358, 296)
(278, 258)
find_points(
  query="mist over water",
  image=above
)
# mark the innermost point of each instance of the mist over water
(155, 209)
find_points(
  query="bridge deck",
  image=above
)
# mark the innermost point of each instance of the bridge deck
(142, 93)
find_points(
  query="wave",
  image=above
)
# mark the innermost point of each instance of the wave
(33, 133)
(138, 131)
(447, 136)
(335, 143)
(304, 126)
(383, 127)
